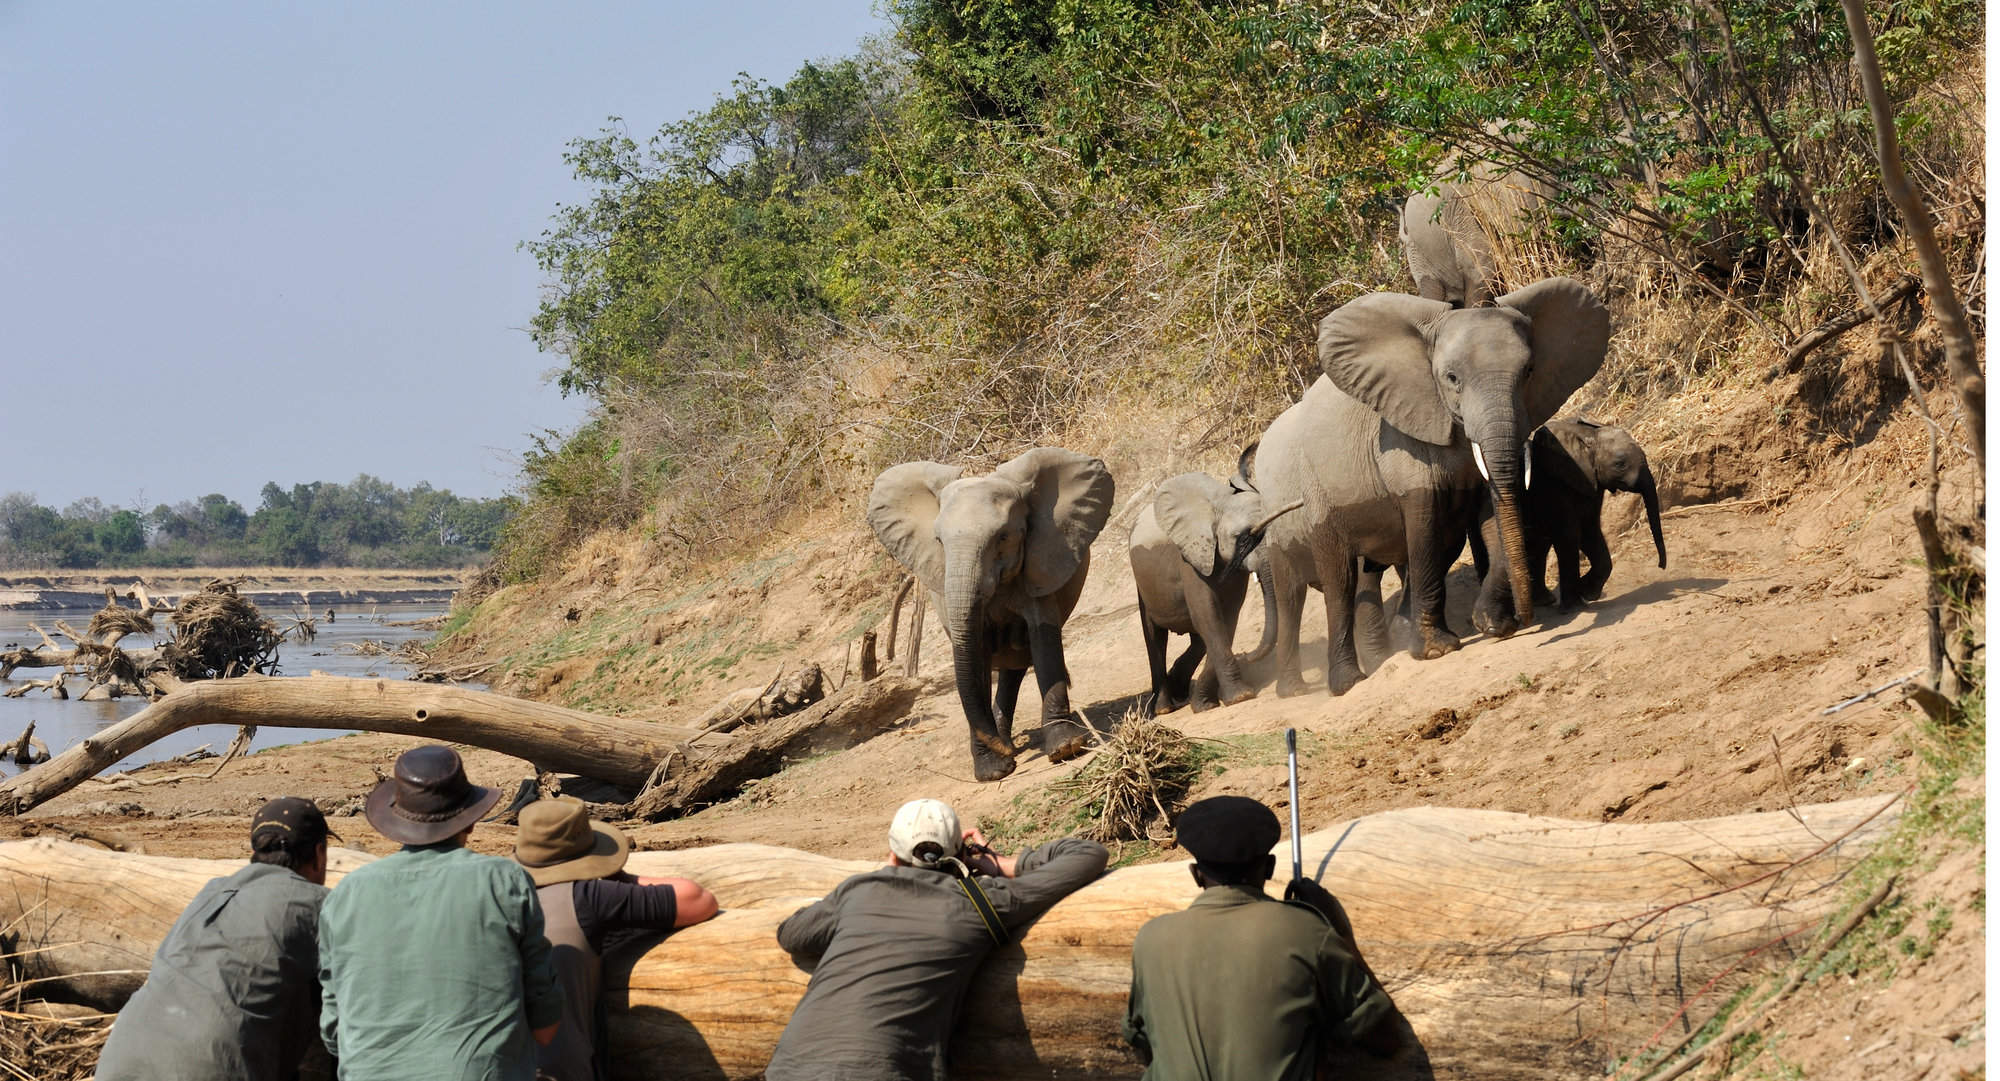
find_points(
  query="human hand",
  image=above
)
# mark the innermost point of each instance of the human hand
(981, 858)
(1311, 894)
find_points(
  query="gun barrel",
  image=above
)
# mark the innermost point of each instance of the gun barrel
(1292, 772)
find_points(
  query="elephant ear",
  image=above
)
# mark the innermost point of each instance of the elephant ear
(1375, 350)
(1570, 330)
(1185, 509)
(1069, 500)
(903, 510)
(1563, 453)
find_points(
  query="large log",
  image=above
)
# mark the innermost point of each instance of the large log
(621, 752)
(1518, 947)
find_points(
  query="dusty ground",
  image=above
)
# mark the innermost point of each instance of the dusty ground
(1698, 690)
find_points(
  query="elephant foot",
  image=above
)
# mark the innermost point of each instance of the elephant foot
(1434, 642)
(1291, 685)
(1342, 677)
(1495, 624)
(1163, 704)
(1544, 598)
(1064, 739)
(1590, 591)
(989, 763)
(1238, 696)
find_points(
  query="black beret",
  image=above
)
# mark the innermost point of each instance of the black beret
(1227, 830)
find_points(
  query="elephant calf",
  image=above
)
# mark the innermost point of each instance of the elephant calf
(1188, 553)
(1574, 462)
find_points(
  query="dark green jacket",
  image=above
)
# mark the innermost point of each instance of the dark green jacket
(897, 949)
(234, 989)
(1240, 987)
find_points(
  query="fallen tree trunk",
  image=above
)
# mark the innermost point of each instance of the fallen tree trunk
(700, 774)
(1518, 947)
(621, 752)
(49, 657)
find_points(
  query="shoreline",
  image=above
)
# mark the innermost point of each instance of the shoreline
(264, 587)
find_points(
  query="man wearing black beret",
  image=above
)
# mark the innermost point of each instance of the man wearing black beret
(1292, 984)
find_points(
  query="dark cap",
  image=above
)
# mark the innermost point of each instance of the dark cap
(285, 819)
(1227, 831)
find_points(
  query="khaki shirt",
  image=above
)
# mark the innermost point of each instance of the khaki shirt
(1240, 987)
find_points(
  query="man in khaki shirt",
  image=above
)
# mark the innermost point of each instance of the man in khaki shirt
(1240, 987)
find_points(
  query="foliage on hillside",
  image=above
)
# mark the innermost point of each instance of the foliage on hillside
(366, 523)
(1012, 216)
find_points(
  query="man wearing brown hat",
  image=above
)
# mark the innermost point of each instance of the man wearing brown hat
(432, 960)
(1293, 986)
(589, 903)
(234, 989)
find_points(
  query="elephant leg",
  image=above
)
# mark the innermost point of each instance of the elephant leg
(1062, 737)
(1289, 592)
(1598, 552)
(1434, 541)
(1372, 642)
(1156, 663)
(1336, 568)
(1493, 612)
(1540, 541)
(1214, 615)
(1180, 678)
(1005, 695)
(992, 756)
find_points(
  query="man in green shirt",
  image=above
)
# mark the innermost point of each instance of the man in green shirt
(433, 964)
(1239, 987)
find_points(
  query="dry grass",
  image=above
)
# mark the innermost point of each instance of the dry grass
(35, 1047)
(1134, 778)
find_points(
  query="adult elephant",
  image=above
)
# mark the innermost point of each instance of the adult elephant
(1420, 408)
(1006, 555)
(1452, 235)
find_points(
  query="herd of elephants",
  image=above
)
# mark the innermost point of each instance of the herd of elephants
(1431, 425)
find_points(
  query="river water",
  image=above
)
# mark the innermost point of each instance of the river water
(61, 723)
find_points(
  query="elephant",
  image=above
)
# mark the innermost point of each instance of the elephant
(1005, 555)
(1421, 408)
(1576, 462)
(1189, 556)
(1449, 235)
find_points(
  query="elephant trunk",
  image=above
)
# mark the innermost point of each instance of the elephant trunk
(1268, 638)
(1650, 492)
(972, 666)
(1500, 459)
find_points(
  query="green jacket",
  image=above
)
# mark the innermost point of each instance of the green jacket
(1240, 987)
(234, 989)
(433, 967)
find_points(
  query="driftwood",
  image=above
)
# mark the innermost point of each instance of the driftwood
(28, 750)
(782, 696)
(870, 666)
(1900, 290)
(621, 752)
(700, 774)
(1518, 947)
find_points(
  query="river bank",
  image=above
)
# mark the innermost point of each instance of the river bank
(274, 588)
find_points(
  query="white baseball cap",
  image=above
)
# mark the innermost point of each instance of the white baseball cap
(920, 822)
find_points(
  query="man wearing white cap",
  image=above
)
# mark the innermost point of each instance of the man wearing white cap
(898, 947)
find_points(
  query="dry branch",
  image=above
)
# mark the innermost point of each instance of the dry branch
(1519, 947)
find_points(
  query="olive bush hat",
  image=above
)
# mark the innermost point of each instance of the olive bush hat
(429, 798)
(559, 843)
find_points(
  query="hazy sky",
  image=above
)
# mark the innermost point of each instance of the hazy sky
(277, 241)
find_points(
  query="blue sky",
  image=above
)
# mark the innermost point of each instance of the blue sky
(278, 241)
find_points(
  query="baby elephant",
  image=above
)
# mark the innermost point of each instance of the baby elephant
(1575, 462)
(1188, 552)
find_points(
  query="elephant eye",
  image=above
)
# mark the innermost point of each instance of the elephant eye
(1451, 378)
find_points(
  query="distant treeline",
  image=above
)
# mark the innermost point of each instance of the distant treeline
(366, 523)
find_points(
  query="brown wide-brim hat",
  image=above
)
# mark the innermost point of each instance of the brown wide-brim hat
(558, 842)
(429, 799)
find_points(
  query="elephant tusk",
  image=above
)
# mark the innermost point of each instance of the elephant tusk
(1479, 459)
(1527, 465)
(1279, 513)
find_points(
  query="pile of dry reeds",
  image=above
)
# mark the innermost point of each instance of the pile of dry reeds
(218, 634)
(38, 1047)
(115, 621)
(1133, 780)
